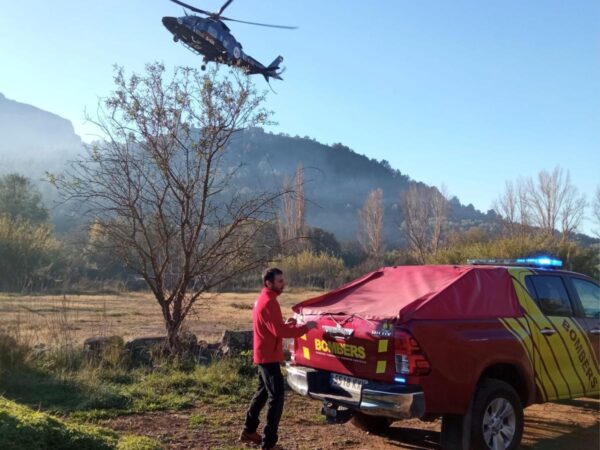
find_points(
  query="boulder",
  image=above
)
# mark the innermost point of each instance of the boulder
(143, 349)
(206, 352)
(95, 346)
(234, 342)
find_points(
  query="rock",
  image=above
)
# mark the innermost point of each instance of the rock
(188, 340)
(95, 346)
(143, 349)
(235, 342)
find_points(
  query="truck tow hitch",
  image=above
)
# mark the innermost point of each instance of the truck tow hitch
(335, 414)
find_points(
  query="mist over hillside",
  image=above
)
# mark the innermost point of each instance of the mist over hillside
(337, 179)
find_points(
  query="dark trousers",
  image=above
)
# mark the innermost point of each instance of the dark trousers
(270, 387)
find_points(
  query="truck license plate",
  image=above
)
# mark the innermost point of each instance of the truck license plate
(347, 383)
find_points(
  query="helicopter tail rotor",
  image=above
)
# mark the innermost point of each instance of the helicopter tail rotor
(273, 70)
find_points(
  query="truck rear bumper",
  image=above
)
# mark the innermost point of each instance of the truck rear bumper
(378, 399)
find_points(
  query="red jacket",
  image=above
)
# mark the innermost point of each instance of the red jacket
(269, 328)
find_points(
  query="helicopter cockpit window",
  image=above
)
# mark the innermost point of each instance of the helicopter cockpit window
(213, 31)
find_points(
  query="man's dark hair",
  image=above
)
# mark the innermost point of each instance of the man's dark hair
(269, 275)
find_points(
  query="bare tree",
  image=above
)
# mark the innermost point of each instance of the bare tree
(286, 216)
(299, 222)
(158, 189)
(596, 211)
(555, 202)
(572, 212)
(425, 212)
(513, 206)
(291, 219)
(370, 226)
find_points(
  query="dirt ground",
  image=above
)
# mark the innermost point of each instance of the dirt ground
(567, 425)
(553, 426)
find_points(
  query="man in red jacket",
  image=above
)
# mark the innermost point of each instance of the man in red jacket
(269, 330)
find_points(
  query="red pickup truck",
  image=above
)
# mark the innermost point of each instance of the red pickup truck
(474, 344)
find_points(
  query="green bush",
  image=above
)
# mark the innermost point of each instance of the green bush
(30, 256)
(308, 269)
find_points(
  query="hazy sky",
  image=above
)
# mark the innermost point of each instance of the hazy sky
(466, 93)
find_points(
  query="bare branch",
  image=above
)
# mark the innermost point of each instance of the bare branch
(425, 212)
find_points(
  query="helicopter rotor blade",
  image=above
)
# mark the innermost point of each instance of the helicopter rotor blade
(225, 5)
(192, 8)
(256, 23)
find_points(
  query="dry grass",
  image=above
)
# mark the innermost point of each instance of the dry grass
(50, 319)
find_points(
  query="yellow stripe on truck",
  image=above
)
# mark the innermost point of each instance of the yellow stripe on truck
(556, 365)
(585, 358)
(306, 353)
(513, 326)
(383, 346)
(381, 365)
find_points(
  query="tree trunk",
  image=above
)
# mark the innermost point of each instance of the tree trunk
(173, 329)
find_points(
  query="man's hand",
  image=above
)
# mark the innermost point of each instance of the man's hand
(311, 325)
(291, 321)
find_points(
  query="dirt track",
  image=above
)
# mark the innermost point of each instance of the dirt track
(553, 426)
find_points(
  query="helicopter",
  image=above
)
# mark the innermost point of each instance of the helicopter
(210, 37)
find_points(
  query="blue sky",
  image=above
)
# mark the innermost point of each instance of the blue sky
(466, 93)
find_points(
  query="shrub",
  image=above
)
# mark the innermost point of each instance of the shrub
(30, 256)
(576, 258)
(310, 269)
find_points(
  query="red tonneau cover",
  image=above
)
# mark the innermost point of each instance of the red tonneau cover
(422, 292)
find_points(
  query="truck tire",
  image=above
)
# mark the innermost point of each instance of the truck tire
(452, 432)
(496, 416)
(372, 424)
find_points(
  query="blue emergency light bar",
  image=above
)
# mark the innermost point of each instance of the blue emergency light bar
(542, 261)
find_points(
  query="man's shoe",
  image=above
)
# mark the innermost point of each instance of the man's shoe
(251, 438)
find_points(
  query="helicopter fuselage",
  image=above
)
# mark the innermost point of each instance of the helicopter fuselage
(213, 40)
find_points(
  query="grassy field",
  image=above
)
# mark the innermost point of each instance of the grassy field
(111, 402)
(43, 318)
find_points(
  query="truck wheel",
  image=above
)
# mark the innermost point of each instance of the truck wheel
(372, 424)
(452, 432)
(497, 417)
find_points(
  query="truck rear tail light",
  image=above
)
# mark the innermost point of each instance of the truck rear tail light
(409, 358)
